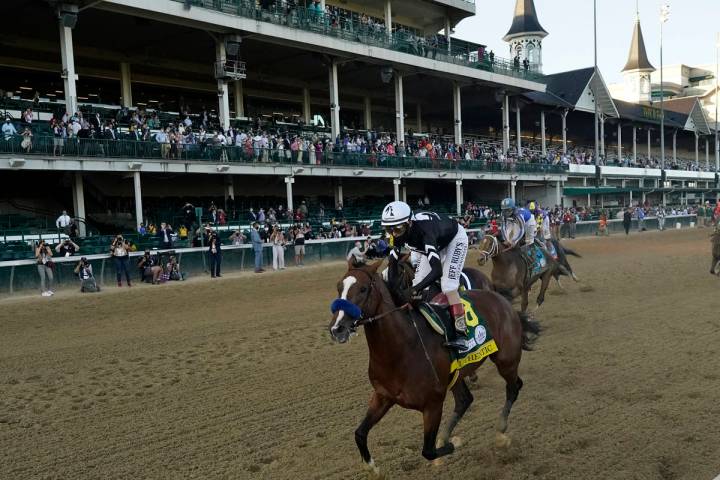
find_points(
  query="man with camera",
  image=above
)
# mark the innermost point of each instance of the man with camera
(214, 253)
(120, 252)
(67, 248)
(84, 272)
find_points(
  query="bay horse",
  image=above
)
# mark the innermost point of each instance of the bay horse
(715, 239)
(408, 365)
(510, 275)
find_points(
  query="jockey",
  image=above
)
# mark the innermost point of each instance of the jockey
(544, 228)
(512, 225)
(441, 244)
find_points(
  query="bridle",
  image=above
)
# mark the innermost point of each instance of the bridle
(367, 320)
(494, 249)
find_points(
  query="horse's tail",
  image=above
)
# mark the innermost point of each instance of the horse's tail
(530, 331)
(571, 252)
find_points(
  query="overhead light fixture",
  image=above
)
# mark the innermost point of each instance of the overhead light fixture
(223, 168)
(408, 173)
(481, 175)
(17, 162)
(135, 165)
(298, 170)
(442, 174)
(358, 172)
(25, 88)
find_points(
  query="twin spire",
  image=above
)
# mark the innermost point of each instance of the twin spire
(638, 59)
(525, 21)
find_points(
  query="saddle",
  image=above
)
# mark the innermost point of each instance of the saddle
(437, 313)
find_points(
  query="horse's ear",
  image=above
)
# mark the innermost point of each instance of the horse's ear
(351, 263)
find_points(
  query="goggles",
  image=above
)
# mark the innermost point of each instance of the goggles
(396, 230)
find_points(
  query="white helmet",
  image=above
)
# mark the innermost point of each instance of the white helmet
(395, 213)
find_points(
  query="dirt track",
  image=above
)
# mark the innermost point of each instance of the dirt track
(237, 378)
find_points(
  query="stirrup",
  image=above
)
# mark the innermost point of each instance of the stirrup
(458, 344)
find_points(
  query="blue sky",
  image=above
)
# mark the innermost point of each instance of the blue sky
(689, 36)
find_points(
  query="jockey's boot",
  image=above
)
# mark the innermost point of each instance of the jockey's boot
(456, 336)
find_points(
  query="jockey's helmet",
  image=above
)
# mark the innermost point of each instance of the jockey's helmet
(508, 207)
(396, 218)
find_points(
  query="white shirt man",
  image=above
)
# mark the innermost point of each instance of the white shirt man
(63, 221)
(357, 254)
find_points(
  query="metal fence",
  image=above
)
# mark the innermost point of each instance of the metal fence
(139, 150)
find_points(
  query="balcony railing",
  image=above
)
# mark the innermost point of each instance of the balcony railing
(353, 29)
(151, 150)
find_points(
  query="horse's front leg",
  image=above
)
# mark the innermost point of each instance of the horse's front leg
(431, 424)
(463, 400)
(378, 407)
(543, 287)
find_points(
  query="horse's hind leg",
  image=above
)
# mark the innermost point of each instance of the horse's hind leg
(543, 288)
(513, 384)
(431, 424)
(377, 409)
(463, 400)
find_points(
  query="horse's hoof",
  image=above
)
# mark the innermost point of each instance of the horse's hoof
(438, 462)
(374, 471)
(456, 441)
(502, 440)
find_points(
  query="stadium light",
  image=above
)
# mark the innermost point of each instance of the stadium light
(298, 170)
(17, 162)
(134, 165)
(358, 172)
(223, 168)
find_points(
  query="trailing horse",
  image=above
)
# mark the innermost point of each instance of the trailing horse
(409, 365)
(715, 239)
(512, 275)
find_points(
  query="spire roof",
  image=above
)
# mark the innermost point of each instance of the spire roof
(638, 60)
(525, 21)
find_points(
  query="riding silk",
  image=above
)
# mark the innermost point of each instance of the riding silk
(452, 259)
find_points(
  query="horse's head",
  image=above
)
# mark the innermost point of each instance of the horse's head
(400, 276)
(488, 248)
(357, 296)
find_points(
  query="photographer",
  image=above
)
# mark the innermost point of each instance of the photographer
(67, 248)
(214, 254)
(84, 272)
(277, 239)
(173, 269)
(149, 268)
(120, 252)
(45, 265)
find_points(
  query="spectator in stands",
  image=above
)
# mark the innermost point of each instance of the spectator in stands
(164, 234)
(8, 129)
(173, 270)
(640, 213)
(45, 266)
(188, 215)
(67, 248)
(28, 116)
(257, 244)
(215, 254)
(26, 143)
(63, 221)
(627, 220)
(59, 134)
(84, 271)
(299, 243)
(357, 254)
(661, 217)
(277, 239)
(237, 238)
(120, 252)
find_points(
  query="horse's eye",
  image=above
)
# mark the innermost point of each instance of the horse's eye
(363, 289)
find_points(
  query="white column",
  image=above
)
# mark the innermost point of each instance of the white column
(634, 143)
(79, 202)
(307, 113)
(558, 193)
(517, 128)
(506, 123)
(126, 85)
(448, 31)
(707, 153)
(459, 196)
(457, 109)
(630, 204)
(602, 135)
(675, 146)
(513, 184)
(239, 100)
(288, 186)
(334, 100)
(396, 188)
(418, 114)
(542, 134)
(138, 200)
(619, 141)
(697, 149)
(403, 193)
(68, 65)
(649, 141)
(388, 18)
(399, 107)
(564, 129)
(222, 87)
(368, 113)
(339, 193)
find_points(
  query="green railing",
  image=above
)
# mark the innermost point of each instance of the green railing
(132, 149)
(353, 29)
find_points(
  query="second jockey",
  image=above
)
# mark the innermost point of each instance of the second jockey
(442, 245)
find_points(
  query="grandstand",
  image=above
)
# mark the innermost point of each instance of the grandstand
(351, 103)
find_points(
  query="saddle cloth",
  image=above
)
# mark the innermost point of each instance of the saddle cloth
(479, 339)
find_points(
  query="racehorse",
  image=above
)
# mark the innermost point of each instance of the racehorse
(715, 239)
(511, 276)
(410, 367)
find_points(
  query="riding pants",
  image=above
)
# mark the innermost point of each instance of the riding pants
(452, 259)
